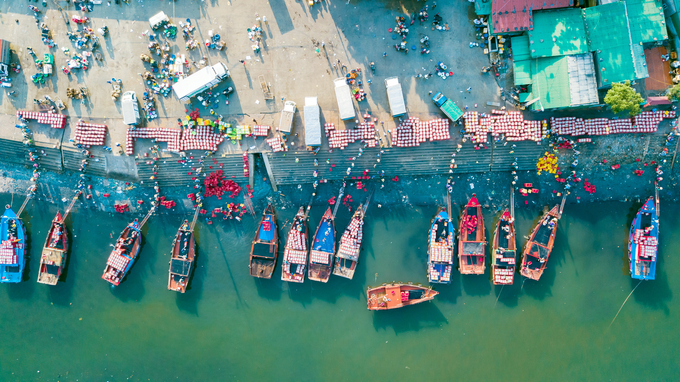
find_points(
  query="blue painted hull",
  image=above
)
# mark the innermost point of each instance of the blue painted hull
(439, 268)
(643, 269)
(12, 273)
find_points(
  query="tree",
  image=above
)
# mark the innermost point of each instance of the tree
(674, 93)
(622, 97)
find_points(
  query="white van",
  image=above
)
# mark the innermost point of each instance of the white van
(344, 96)
(130, 108)
(395, 96)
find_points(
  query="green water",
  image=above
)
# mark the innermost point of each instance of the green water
(230, 326)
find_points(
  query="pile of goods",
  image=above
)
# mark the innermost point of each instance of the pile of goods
(121, 207)
(56, 121)
(161, 134)
(469, 224)
(339, 139)
(233, 211)
(277, 144)
(246, 165)
(589, 187)
(412, 132)
(216, 185)
(508, 124)
(200, 138)
(90, 134)
(261, 130)
(645, 122)
(547, 163)
(166, 203)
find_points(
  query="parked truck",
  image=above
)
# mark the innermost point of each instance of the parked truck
(130, 108)
(447, 106)
(200, 81)
(395, 96)
(344, 97)
(287, 114)
(312, 122)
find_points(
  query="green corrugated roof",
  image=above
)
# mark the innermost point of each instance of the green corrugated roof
(521, 71)
(483, 7)
(520, 48)
(558, 32)
(647, 22)
(609, 39)
(550, 83)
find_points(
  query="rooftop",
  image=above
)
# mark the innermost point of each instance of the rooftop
(558, 33)
(517, 15)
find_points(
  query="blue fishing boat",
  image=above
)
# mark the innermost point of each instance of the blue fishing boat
(265, 246)
(440, 249)
(12, 247)
(124, 254)
(323, 248)
(643, 242)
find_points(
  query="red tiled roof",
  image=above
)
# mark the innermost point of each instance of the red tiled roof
(516, 15)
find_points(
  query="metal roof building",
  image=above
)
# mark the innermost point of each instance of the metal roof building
(570, 53)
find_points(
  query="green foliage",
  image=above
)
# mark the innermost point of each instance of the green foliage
(622, 97)
(674, 93)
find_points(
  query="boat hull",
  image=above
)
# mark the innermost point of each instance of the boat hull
(182, 259)
(504, 251)
(538, 248)
(264, 250)
(114, 275)
(323, 249)
(397, 295)
(347, 257)
(296, 251)
(440, 249)
(643, 242)
(471, 240)
(53, 257)
(12, 271)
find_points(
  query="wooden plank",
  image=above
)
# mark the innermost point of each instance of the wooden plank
(272, 180)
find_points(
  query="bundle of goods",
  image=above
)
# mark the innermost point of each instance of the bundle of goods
(276, 144)
(246, 165)
(547, 163)
(200, 138)
(350, 242)
(589, 186)
(166, 203)
(508, 124)
(412, 132)
(339, 139)
(261, 130)
(90, 134)
(216, 185)
(645, 122)
(233, 210)
(162, 134)
(121, 207)
(469, 224)
(56, 121)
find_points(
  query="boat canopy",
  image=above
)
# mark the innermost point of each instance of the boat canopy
(473, 248)
(267, 229)
(180, 267)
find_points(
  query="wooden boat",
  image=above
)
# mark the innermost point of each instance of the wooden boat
(472, 239)
(124, 254)
(323, 248)
(643, 242)
(347, 257)
(264, 251)
(182, 258)
(440, 249)
(397, 295)
(503, 251)
(297, 247)
(12, 247)
(53, 258)
(537, 249)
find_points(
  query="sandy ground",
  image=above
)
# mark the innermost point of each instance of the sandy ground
(354, 33)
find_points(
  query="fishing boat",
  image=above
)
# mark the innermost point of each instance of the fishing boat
(295, 253)
(323, 248)
(12, 247)
(471, 239)
(643, 242)
(440, 249)
(124, 254)
(53, 258)
(347, 257)
(265, 246)
(503, 251)
(397, 295)
(182, 259)
(537, 250)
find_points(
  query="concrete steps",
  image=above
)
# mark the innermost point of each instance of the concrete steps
(172, 173)
(17, 153)
(72, 159)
